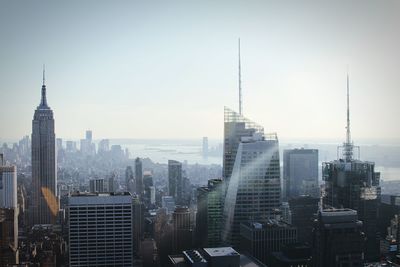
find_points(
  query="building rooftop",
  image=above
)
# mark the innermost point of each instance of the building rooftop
(97, 194)
(193, 256)
(338, 215)
(100, 198)
(221, 252)
(198, 256)
(267, 224)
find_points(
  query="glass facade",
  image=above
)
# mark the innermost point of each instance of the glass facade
(253, 189)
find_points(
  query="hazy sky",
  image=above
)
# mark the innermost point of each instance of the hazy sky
(165, 69)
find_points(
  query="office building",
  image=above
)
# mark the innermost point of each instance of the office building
(104, 146)
(182, 236)
(285, 212)
(339, 240)
(101, 229)
(139, 177)
(235, 127)
(148, 184)
(261, 239)
(88, 148)
(9, 212)
(138, 223)
(96, 186)
(388, 209)
(175, 180)
(205, 147)
(209, 214)
(168, 203)
(292, 255)
(71, 146)
(389, 246)
(304, 211)
(300, 172)
(254, 188)
(129, 180)
(354, 184)
(8, 186)
(111, 183)
(152, 195)
(44, 164)
(89, 135)
(9, 237)
(59, 144)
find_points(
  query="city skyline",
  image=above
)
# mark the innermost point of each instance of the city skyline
(157, 139)
(156, 70)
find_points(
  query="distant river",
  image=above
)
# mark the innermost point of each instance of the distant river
(191, 150)
(161, 151)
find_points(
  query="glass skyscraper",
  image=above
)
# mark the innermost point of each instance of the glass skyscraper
(209, 214)
(300, 172)
(252, 173)
(235, 127)
(175, 180)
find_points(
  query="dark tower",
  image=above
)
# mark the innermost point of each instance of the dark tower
(139, 177)
(354, 184)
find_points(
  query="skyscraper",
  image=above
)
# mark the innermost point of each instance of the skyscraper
(87, 146)
(101, 229)
(89, 135)
(8, 185)
(254, 186)
(8, 237)
(339, 240)
(148, 183)
(261, 239)
(175, 180)
(300, 172)
(235, 127)
(205, 147)
(303, 212)
(8, 215)
(96, 186)
(354, 184)
(182, 236)
(44, 164)
(129, 180)
(138, 222)
(209, 214)
(104, 145)
(139, 177)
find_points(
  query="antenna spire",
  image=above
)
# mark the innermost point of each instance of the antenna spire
(348, 145)
(43, 101)
(240, 84)
(44, 74)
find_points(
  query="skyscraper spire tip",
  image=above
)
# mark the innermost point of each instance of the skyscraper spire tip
(44, 74)
(43, 101)
(240, 83)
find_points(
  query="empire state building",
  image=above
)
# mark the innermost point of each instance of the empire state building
(44, 165)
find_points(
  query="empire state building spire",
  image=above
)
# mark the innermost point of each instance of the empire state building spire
(43, 101)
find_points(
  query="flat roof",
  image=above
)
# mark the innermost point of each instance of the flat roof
(100, 199)
(221, 252)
